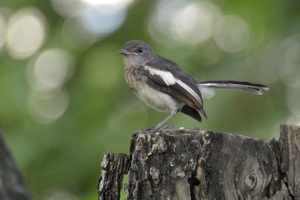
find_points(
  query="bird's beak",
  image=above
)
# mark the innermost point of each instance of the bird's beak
(124, 52)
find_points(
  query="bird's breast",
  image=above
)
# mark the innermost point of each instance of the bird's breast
(133, 78)
(155, 99)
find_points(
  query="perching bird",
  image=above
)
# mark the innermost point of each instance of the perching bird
(165, 87)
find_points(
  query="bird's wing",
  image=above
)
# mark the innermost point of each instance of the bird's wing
(168, 77)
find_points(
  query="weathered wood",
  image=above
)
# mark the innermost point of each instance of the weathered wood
(290, 158)
(237, 167)
(199, 164)
(162, 164)
(11, 183)
(113, 166)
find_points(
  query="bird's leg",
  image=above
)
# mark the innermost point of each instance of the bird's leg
(158, 126)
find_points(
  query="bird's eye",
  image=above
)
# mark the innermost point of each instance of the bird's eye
(140, 50)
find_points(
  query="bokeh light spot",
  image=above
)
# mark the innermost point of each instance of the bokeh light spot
(187, 22)
(231, 33)
(281, 60)
(47, 109)
(53, 67)
(50, 70)
(2, 30)
(74, 35)
(25, 33)
(102, 19)
(88, 21)
(46, 75)
(193, 24)
(290, 68)
(118, 4)
(66, 8)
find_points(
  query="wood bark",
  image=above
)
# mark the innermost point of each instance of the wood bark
(11, 184)
(198, 164)
(113, 166)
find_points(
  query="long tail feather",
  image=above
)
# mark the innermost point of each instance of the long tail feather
(241, 86)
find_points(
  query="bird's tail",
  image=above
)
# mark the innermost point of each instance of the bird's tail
(207, 87)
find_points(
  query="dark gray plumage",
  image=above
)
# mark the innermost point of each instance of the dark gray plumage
(164, 86)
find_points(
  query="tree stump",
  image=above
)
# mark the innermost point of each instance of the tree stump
(198, 164)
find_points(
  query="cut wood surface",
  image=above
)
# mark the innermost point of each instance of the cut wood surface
(199, 164)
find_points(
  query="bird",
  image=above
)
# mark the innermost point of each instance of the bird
(166, 87)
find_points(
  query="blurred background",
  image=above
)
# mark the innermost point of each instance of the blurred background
(64, 101)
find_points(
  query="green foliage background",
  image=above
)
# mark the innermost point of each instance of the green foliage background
(61, 159)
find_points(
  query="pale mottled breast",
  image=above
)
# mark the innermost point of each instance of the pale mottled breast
(133, 77)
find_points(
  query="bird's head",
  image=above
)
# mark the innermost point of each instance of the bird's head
(138, 52)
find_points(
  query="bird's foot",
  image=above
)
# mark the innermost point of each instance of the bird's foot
(145, 130)
(153, 129)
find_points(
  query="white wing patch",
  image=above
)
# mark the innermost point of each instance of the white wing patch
(187, 88)
(169, 79)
